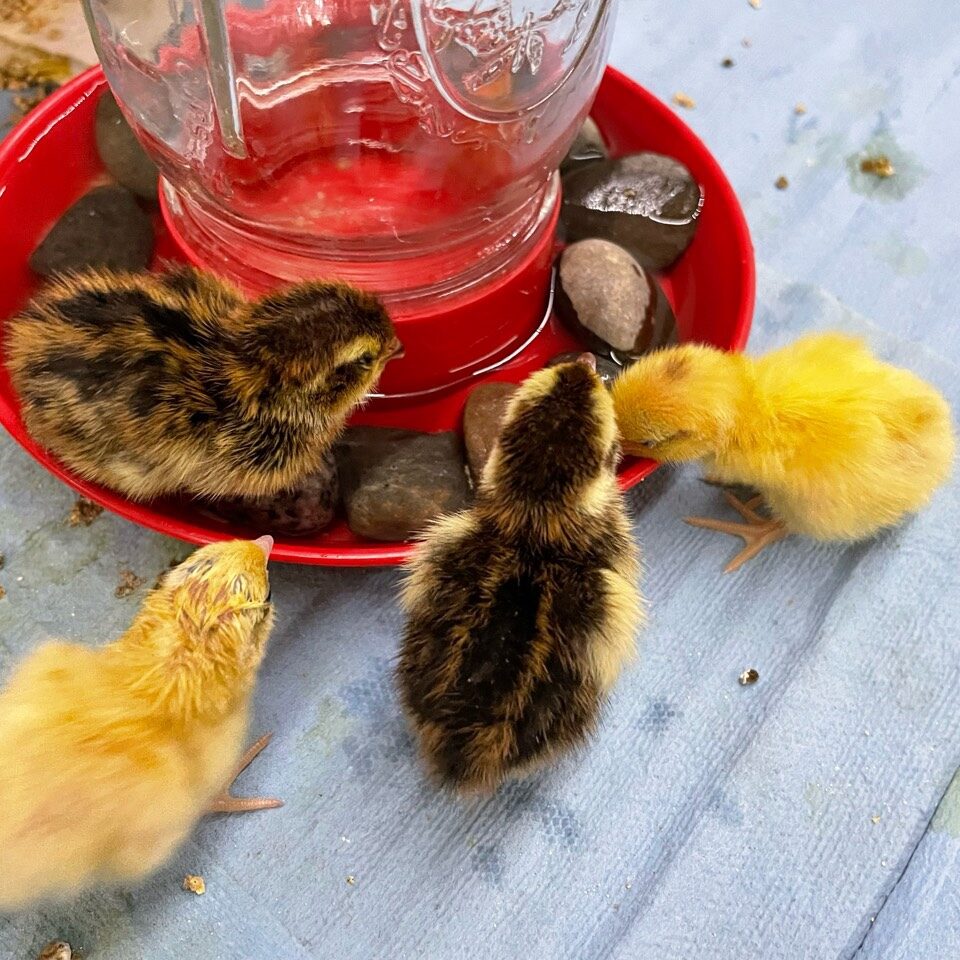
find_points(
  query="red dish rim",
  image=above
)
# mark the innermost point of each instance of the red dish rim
(18, 144)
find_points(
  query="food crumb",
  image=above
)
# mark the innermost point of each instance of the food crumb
(875, 819)
(800, 109)
(746, 42)
(781, 183)
(756, 4)
(879, 166)
(129, 582)
(194, 884)
(684, 100)
(84, 512)
(728, 62)
(748, 677)
(56, 950)
(351, 879)
(3, 561)
(3, 592)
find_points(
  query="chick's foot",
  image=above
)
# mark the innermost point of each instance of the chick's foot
(225, 802)
(758, 532)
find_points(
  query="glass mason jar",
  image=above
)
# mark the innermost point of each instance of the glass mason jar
(408, 146)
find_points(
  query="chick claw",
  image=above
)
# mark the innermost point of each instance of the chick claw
(225, 802)
(758, 532)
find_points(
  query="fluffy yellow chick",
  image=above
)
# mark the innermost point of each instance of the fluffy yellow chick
(838, 444)
(109, 756)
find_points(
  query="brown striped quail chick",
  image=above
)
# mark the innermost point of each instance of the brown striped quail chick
(523, 610)
(154, 384)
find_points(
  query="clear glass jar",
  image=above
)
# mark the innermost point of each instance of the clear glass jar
(409, 146)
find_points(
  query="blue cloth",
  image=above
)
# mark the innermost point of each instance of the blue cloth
(796, 818)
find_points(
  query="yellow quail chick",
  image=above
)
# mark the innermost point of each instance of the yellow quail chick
(109, 756)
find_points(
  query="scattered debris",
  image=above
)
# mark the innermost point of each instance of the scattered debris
(28, 68)
(875, 819)
(800, 109)
(3, 592)
(3, 561)
(748, 677)
(728, 62)
(351, 880)
(129, 582)
(781, 183)
(684, 100)
(56, 950)
(879, 166)
(84, 512)
(746, 42)
(756, 4)
(194, 884)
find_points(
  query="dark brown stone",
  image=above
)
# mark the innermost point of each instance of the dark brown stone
(104, 228)
(482, 417)
(645, 202)
(395, 482)
(121, 152)
(306, 510)
(616, 306)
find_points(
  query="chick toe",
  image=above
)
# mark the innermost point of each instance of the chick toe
(758, 532)
(226, 802)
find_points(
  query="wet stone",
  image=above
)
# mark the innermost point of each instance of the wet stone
(482, 417)
(104, 228)
(645, 202)
(588, 146)
(305, 510)
(121, 152)
(616, 306)
(607, 369)
(395, 482)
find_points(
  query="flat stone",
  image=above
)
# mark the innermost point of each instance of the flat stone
(482, 417)
(305, 510)
(395, 482)
(646, 202)
(616, 306)
(608, 370)
(588, 147)
(104, 228)
(121, 151)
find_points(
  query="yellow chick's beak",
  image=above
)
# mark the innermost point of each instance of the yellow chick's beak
(636, 449)
(265, 543)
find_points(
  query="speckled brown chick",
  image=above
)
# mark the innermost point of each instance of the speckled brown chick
(160, 383)
(523, 610)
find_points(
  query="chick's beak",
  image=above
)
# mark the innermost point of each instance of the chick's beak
(265, 543)
(394, 350)
(588, 360)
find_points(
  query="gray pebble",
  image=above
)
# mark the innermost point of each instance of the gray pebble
(588, 146)
(646, 202)
(482, 417)
(395, 482)
(121, 152)
(612, 302)
(104, 228)
(305, 510)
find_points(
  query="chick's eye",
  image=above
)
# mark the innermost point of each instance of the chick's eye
(366, 359)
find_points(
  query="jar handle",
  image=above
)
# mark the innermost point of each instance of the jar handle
(223, 76)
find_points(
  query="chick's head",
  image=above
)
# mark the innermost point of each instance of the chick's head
(679, 403)
(202, 633)
(558, 438)
(317, 348)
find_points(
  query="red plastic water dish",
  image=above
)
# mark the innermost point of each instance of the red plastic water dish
(50, 160)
